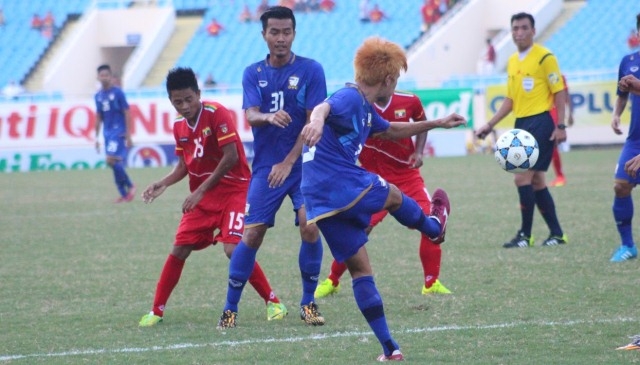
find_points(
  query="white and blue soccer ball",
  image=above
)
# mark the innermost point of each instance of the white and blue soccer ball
(516, 150)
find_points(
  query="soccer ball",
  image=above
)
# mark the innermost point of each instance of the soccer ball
(516, 150)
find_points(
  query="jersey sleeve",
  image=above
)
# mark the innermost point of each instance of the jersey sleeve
(179, 149)
(223, 126)
(317, 87)
(417, 110)
(621, 74)
(378, 124)
(122, 100)
(250, 89)
(98, 108)
(552, 73)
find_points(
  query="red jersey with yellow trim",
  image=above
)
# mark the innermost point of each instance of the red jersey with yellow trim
(389, 158)
(201, 146)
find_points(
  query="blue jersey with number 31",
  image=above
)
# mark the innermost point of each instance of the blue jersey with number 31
(295, 88)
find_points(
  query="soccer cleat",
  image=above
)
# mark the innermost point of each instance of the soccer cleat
(634, 345)
(440, 210)
(310, 315)
(556, 240)
(520, 240)
(227, 320)
(396, 355)
(326, 288)
(131, 194)
(624, 253)
(149, 320)
(276, 311)
(435, 288)
(558, 181)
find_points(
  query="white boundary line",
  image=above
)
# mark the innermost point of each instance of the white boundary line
(311, 337)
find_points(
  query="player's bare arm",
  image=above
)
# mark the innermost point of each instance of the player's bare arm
(280, 171)
(312, 132)
(98, 125)
(404, 130)
(621, 103)
(505, 109)
(258, 119)
(559, 99)
(415, 161)
(632, 166)
(127, 120)
(157, 188)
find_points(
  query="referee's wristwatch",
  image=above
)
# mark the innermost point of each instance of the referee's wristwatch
(562, 126)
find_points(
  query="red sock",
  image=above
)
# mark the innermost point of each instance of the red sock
(430, 257)
(168, 280)
(557, 163)
(337, 269)
(260, 283)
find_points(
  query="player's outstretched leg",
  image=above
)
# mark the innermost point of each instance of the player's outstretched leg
(440, 209)
(410, 214)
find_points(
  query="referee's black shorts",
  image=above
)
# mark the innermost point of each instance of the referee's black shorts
(541, 126)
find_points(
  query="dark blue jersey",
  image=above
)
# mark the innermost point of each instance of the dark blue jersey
(331, 179)
(111, 104)
(630, 65)
(295, 88)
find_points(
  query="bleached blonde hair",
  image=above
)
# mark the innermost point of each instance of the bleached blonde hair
(376, 59)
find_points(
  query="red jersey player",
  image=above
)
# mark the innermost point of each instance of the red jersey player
(398, 162)
(211, 154)
(560, 180)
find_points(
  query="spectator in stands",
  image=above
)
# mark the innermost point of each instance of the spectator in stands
(634, 40)
(245, 15)
(301, 6)
(487, 63)
(287, 3)
(364, 11)
(48, 20)
(327, 5)
(2, 21)
(209, 81)
(12, 90)
(36, 22)
(214, 28)
(442, 6)
(376, 15)
(264, 5)
(429, 13)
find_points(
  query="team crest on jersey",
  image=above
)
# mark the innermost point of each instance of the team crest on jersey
(263, 83)
(224, 129)
(400, 113)
(633, 68)
(293, 82)
(206, 132)
(554, 78)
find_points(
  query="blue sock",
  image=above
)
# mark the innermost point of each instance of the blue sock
(240, 268)
(370, 304)
(623, 214)
(310, 262)
(410, 214)
(547, 208)
(121, 178)
(527, 205)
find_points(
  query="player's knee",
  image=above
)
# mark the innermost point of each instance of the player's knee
(253, 236)
(622, 189)
(394, 199)
(309, 232)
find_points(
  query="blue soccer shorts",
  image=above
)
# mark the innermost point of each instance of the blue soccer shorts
(264, 202)
(629, 151)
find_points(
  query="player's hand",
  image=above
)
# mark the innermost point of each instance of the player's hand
(128, 142)
(632, 166)
(558, 135)
(415, 160)
(279, 173)
(192, 200)
(629, 83)
(615, 125)
(311, 133)
(279, 119)
(452, 121)
(483, 131)
(97, 147)
(152, 191)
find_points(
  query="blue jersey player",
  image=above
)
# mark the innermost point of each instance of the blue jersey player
(624, 183)
(112, 114)
(279, 93)
(341, 196)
